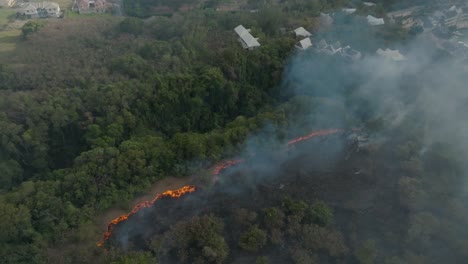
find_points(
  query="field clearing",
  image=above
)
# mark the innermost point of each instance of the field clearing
(9, 33)
(64, 4)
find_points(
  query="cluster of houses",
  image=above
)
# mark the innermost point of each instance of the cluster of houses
(91, 6)
(47, 9)
(428, 18)
(39, 9)
(450, 17)
(249, 42)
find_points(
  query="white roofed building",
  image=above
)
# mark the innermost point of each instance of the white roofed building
(245, 38)
(373, 21)
(302, 32)
(369, 4)
(394, 55)
(304, 44)
(349, 10)
(40, 10)
(91, 6)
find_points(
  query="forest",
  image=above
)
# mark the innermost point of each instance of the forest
(95, 110)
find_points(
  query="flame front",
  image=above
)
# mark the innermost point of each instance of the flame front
(314, 134)
(191, 188)
(224, 165)
(169, 193)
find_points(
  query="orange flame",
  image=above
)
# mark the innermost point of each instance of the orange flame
(169, 193)
(314, 134)
(191, 188)
(224, 165)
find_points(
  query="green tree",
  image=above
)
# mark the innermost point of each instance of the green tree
(30, 27)
(367, 252)
(253, 239)
(198, 240)
(320, 213)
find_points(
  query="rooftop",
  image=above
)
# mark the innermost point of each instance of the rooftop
(247, 39)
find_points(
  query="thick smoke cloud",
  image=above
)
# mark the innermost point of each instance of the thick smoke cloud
(424, 97)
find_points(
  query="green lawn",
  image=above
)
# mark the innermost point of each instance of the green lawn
(9, 33)
(4, 14)
(64, 4)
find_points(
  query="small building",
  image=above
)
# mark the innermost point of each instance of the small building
(301, 32)
(322, 44)
(403, 12)
(90, 6)
(245, 38)
(326, 20)
(40, 10)
(369, 4)
(462, 22)
(394, 55)
(335, 47)
(7, 3)
(373, 21)
(350, 53)
(304, 44)
(349, 10)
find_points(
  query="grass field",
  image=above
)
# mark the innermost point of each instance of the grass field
(64, 4)
(9, 33)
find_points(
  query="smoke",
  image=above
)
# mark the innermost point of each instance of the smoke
(421, 103)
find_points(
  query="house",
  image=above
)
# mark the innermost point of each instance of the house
(451, 18)
(90, 6)
(373, 21)
(368, 4)
(349, 10)
(323, 47)
(403, 12)
(7, 3)
(322, 44)
(304, 44)
(29, 10)
(245, 38)
(394, 55)
(462, 22)
(301, 32)
(40, 10)
(325, 20)
(335, 47)
(350, 53)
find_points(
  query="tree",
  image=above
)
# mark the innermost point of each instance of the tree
(253, 239)
(273, 217)
(198, 240)
(366, 253)
(302, 256)
(320, 213)
(31, 27)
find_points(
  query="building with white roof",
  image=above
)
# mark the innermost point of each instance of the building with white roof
(373, 21)
(369, 4)
(349, 10)
(245, 38)
(301, 32)
(304, 44)
(40, 10)
(394, 55)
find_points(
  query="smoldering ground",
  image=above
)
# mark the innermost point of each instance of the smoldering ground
(406, 190)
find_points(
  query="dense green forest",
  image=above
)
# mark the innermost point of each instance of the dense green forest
(94, 110)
